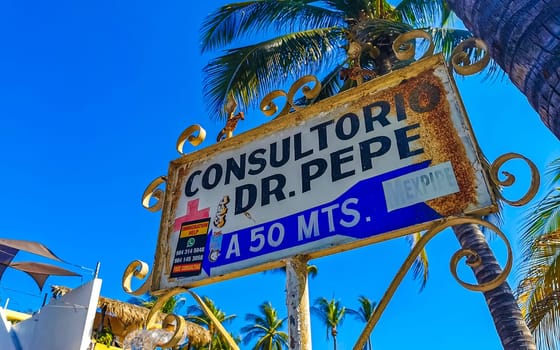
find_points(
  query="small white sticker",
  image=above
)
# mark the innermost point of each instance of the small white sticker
(420, 186)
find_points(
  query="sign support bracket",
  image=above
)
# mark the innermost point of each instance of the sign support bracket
(472, 258)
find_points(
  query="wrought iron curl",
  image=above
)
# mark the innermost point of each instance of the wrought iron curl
(457, 256)
(152, 191)
(178, 324)
(269, 108)
(171, 322)
(469, 253)
(189, 134)
(308, 92)
(137, 269)
(510, 178)
(461, 62)
(403, 48)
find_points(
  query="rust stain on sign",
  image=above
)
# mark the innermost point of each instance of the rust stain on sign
(441, 143)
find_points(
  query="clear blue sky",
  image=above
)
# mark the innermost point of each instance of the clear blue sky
(93, 96)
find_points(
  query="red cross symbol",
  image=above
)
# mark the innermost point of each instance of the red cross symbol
(193, 213)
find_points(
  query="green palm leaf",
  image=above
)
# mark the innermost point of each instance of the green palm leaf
(252, 71)
(421, 264)
(244, 19)
(267, 327)
(554, 171)
(330, 312)
(424, 13)
(539, 289)
(365, 311)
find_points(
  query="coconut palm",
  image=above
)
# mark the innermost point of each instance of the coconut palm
(331, 313)
(331, 38)
(539, 289)
(326, 38)
(197, 315)
(521, 24)
(267, 327)
(364, 313)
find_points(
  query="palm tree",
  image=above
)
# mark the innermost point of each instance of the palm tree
(196, 314)
(364, 313)
(267, 327)
(539, 288)
(331, 314)
(329, 38)
(521, 24)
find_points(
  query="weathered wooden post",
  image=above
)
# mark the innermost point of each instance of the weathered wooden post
(297, 300)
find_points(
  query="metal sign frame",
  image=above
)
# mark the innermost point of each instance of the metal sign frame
(414, 114)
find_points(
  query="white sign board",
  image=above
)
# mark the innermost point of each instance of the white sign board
(375, 162)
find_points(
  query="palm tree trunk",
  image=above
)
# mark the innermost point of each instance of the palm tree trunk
(510, 325)
(334, 333)
(523, 37)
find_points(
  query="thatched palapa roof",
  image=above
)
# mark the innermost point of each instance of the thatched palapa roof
(133, 316)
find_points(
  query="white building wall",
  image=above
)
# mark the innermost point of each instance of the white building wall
(63, 324)
(6, 336)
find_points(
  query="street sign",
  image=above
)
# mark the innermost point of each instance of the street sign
(379, 161)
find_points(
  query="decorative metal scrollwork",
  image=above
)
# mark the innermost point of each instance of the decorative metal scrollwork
(152, 191)
(461, 62)
(510, 178)
(190, 135)
(404, 50)
(473, 256)
(177, 325)
(137, 269)
(269, 108)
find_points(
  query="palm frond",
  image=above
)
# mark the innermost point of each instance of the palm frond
(251, 18)
(545, 316)
(543, 218)
(553, 170)
(365, 311)
(538, 291)
(424, 13)
(447, 39)
(250, 72)
(267, 326)
(540, 303)
(350, 8)
(371, 29)
(359, 9)
(420, 266)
